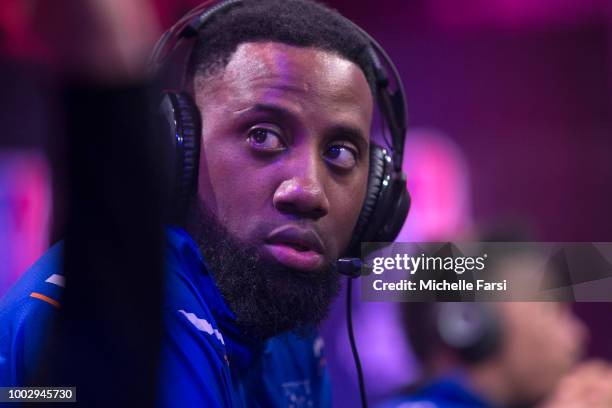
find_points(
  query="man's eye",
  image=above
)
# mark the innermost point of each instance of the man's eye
(341, 156)
(265, 138)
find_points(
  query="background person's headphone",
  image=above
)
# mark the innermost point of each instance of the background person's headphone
(387, 200)
(470, 329)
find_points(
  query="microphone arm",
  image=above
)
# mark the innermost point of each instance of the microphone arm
(352, 267)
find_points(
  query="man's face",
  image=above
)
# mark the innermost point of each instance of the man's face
(284, 162)
(283, 175)
(543, 341)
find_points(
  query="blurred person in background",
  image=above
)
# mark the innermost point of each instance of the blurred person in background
(502, 354)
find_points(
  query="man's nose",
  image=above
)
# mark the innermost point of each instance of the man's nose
(302, 193)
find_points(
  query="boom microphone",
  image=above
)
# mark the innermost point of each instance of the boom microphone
(351, 267)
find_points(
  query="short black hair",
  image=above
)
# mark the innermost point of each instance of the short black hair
(301, 23)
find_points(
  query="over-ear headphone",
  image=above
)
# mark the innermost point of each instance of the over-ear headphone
(470, 329)
(387, 200)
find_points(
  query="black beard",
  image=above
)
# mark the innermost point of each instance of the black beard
(266, 297)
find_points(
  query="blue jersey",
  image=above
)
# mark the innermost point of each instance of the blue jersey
(206, 361)
(446, 392)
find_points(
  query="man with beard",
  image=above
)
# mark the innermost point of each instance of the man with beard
(285, 92)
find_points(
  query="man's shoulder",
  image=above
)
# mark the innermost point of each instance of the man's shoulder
(25, 314)
(409, 401)
(426, 400)
(446, 392)
(194, 355)
(191, 300)
(38, 289)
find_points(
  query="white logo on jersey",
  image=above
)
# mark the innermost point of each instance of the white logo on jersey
(203, 325)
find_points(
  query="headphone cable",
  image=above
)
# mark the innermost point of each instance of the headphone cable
(349, 325)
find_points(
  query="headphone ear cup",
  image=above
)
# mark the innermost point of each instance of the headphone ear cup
(182, 119)
(386, 204)
(470, 329)
(376, 176)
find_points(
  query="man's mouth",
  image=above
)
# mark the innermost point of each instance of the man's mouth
(295, 247)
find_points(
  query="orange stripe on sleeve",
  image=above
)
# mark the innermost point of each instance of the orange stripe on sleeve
(45, 298)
